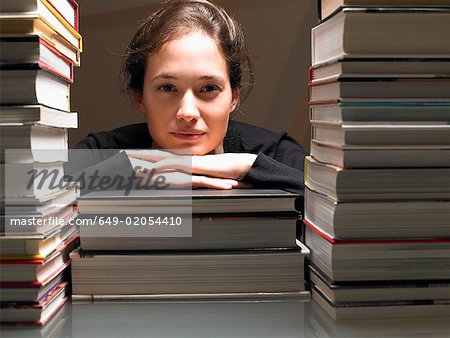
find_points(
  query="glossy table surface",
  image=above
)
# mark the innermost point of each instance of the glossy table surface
(275, 318)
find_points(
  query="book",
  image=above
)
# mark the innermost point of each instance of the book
(189, 272)
(38, 114)
(26, 143)
(380, 111)
(18, 45)
(40, 204)
(32, 180)
(347, 292)
(377, 220)
(26, 51)
(348, 156)
(377, 260)
(329, 7)
(381, 33)
(34, 224)
(351, 68)
(25, 272)
(371, 184)
(31, 292)
(62, 198)
(218, 232)
(35, 246)
(381, 133)
(65, 10)
(36, 270)
(34, 86)
(47, 22)
(200, 201)
(382, 310)
(369, 90)
(38, 313)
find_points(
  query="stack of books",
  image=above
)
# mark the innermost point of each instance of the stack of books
(40, 45)
(377, 204)
(199, 244)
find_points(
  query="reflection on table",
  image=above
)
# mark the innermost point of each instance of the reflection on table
(284, 318)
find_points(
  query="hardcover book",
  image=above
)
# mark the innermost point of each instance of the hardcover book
(25, 51)
(379, 291)
(381, 33)
(63, 10)
(377, 219)
(378, 260)
(34, 86)
(37, 114)
(47, 22)
(329, 7)
(189, 272)
(373, 184)
(38, 313)
(382, 310)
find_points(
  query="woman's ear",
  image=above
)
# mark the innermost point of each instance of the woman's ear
(137, 102)
(234, 99)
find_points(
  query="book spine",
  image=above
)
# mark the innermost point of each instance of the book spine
(311, 75)
(77, 14)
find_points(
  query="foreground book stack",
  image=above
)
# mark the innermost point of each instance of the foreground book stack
(188, 245)
(40, 45)
(377, 210)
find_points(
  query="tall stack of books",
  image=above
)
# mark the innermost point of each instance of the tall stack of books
(40, 45)
(199, 244)
(378, 179)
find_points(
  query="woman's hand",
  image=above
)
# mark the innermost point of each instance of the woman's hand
(209, 171)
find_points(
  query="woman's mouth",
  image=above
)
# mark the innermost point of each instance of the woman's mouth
(188, 135)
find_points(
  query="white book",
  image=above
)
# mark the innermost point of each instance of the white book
(37, 114)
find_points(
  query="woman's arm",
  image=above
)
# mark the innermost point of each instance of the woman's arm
(280, 167)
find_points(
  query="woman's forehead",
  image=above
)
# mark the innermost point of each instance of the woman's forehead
(194, 53)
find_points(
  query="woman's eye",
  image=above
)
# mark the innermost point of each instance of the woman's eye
(210, 88)
(167, 88)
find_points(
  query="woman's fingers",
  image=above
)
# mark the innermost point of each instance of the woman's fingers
(159, 161)
(223, 166)
(213, 183)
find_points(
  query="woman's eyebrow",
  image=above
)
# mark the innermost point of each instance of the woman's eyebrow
(165, 76)
(212, 77)
(169, 76)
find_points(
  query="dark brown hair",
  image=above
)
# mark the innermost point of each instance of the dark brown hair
(178, 17)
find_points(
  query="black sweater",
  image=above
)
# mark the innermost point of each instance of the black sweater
(279, 163)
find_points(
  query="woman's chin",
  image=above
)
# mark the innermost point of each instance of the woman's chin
(198, 151)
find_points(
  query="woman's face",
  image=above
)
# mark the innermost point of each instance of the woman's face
(187, 97)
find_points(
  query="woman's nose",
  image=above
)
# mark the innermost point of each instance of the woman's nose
(188, 109)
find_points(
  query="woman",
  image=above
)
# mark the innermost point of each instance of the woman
(184, 70)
